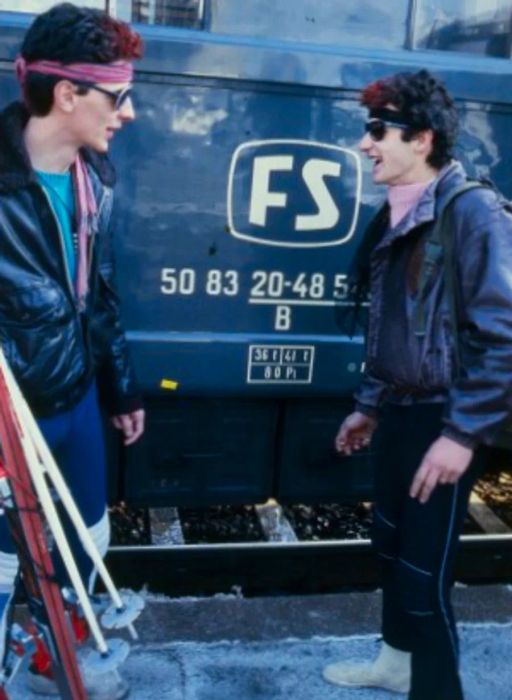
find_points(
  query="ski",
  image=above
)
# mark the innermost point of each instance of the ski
(28, 528)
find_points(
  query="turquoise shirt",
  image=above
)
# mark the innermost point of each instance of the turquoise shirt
(59, 188)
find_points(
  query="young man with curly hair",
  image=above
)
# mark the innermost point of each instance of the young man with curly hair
(437, 384)
(59, 314)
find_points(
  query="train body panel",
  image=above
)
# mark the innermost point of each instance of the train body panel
(241, 200)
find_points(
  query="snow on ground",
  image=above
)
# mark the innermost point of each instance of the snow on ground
(291, 669)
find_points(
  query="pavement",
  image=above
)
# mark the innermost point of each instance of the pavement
(228, 647)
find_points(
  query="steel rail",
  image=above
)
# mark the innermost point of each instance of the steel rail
(260, 568)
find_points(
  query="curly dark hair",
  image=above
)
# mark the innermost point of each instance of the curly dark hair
(425, 103)
(72, 34)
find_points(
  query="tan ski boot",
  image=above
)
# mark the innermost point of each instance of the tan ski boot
(391, 670)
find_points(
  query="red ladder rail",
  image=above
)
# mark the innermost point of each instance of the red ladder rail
(35, 560)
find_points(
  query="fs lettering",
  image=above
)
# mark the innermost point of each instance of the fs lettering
(293, 193)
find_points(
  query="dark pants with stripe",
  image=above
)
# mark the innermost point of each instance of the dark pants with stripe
(416, 544)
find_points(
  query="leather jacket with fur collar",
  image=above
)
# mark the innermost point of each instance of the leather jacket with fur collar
(55, 350)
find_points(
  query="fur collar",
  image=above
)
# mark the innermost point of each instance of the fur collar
(15, 168)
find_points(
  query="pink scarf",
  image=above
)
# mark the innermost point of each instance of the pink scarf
(86, 210)
(402, 199)
(118, 72)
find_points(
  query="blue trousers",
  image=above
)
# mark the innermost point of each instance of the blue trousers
(76, 441)
(417, 544)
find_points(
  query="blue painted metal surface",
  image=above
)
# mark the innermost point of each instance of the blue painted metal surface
(242, 198)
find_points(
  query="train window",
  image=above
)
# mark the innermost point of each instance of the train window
(470, 26)
(178, 13)
(355, 22)
(37, 6)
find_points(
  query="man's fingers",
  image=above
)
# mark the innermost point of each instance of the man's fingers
(428, 486)
(349, 443)
(354, 433)
(444, 463)
(137, 427)
(452, 477)
(129, 435)
(122, 423)
(417, 481)
(116, 422)
(448, 477)
(134, 427)
(424, 482)
(341, 439)
(131, 425)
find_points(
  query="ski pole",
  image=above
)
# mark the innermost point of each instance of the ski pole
(49, 464)
(34, 555)
(36, 472)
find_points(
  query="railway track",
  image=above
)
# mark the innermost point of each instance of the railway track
(282, 556)
(299, 567)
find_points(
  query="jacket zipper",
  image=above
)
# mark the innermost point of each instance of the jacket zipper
(95, 226)
(62, 250)
(74, 300)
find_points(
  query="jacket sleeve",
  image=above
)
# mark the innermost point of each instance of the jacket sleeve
(370, 395)
(480, 399)
(117, 384)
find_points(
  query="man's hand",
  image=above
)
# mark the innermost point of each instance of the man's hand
(444, 463)
(131, 424)
(355, 432)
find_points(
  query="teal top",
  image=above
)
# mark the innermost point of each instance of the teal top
(59, 188)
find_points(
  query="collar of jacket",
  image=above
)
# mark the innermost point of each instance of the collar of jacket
(450, 176)
(15, 168)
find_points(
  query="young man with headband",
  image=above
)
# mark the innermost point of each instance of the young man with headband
(437, 383)
(59, 314)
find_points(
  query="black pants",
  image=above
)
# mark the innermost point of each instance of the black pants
(417, 543)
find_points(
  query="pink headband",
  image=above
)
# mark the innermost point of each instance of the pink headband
(118, 72)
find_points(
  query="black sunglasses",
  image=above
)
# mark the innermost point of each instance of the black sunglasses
(117, 97)
(377, 128)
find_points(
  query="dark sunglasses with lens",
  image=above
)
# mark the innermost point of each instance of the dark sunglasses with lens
(377, 128)
(117, 97)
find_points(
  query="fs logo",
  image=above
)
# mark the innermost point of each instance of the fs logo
(297, 194)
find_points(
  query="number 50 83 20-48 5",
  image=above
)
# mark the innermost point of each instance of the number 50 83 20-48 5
(263, 284)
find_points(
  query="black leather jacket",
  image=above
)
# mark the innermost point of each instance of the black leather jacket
(405, 366)
(52, 348)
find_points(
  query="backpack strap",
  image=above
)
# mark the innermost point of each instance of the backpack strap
(439, 249)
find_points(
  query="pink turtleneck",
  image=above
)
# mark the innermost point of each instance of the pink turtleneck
(402, 199)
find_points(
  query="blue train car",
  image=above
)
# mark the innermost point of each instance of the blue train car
(242, 198)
